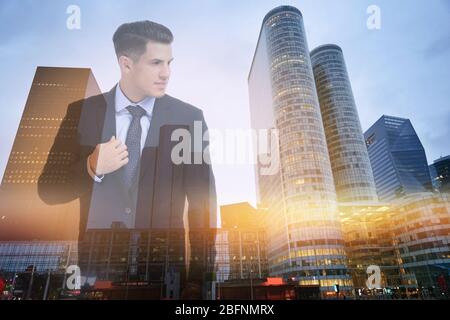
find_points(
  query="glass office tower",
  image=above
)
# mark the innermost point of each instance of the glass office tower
(305, 238)
(397, 157)
(440, 174)
(350, 162)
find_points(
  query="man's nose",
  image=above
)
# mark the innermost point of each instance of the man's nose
(165, 73)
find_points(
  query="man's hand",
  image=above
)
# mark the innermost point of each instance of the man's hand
(108, 157)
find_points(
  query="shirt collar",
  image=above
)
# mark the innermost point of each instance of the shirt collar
(122, 102)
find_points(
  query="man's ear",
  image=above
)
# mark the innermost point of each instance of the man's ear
(125, 64)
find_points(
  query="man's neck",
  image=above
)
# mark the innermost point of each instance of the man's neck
(131, 94)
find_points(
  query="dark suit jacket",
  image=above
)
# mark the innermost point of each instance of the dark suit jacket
(159, 198)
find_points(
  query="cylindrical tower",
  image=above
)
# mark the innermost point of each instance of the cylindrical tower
(350, 162)
(310, 248)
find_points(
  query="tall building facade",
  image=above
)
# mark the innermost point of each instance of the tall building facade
(440, 174)
(350, 162)
(305, 237)
(369, 241)
(37, 269)
(24, 215)
(242, 243)
(16, 256)
(420, 227)
(397, 157)
(408, 238)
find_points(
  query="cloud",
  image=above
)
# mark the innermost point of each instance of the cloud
(437, 48)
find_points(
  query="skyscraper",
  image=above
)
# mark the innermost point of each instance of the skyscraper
(305, 238)
(420, 232)
(350, 162)
(243, 238)
(397, 157)
(440, 174)
(25, 215)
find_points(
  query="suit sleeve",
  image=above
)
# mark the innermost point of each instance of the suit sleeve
(73, 178)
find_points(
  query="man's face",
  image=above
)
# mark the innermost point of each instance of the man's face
(150, 73)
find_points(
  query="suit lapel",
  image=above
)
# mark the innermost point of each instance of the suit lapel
(109, 123)
(109, 130)
(152, 140)
(158, 116)
(148, 164)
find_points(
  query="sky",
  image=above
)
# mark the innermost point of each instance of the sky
(401, 69)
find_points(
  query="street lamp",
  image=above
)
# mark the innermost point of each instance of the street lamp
(251, 284)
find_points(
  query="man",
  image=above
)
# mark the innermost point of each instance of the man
(123, 171)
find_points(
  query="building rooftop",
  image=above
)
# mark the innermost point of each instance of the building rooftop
(325, 47)
(281, 9)
(442, 159)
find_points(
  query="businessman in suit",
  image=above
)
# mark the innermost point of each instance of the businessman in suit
(123, 169)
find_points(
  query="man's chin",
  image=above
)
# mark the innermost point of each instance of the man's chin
(157, 93)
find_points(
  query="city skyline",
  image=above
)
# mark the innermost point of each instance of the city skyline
(349, 189)
(399, 65)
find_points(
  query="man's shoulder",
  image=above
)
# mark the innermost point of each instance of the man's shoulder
(90, 108)
(86, 107)
(98, 100)
(180, 106)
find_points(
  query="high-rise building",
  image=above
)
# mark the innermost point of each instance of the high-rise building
(397, 157)
(16, 256)
(407, 238)
(242, 243)
(350, 162)
(440, 174)
(420, 227)
(305, 237)
(37, 269)
(369, 242)
(24, 215)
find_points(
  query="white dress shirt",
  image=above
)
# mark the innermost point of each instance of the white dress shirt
(124, 117)
(123, 121)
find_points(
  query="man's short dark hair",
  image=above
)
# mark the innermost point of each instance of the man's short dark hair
(131, 39)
